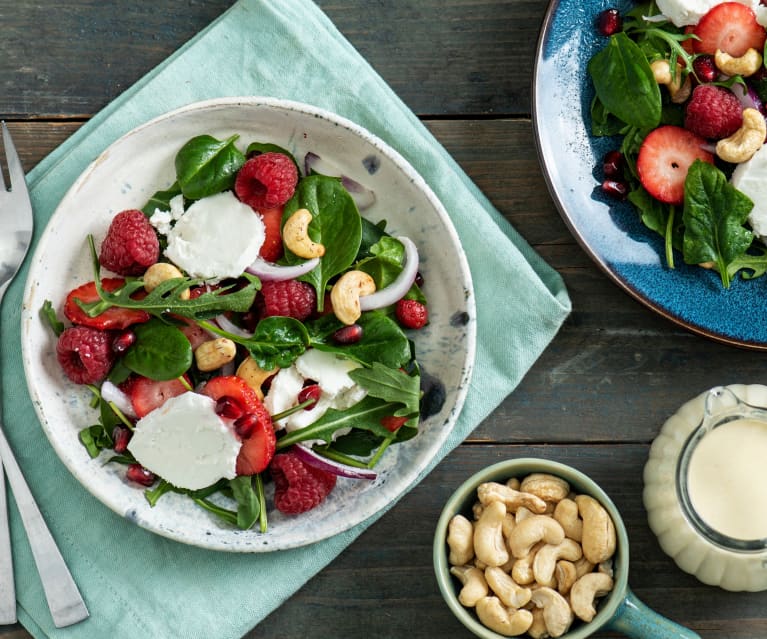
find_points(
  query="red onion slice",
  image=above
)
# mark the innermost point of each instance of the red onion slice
(112, 394)
(229, 326)
(747, 97)
(363, 197)
(308, 456)
(400, 286)
(267, 271)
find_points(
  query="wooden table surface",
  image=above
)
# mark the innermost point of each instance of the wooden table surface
(595, 399)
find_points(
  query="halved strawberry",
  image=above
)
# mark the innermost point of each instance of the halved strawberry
(393, 423)
(664, 159)
(731, 27)
(272, 249)
(113, 318)
(236, 389)
(260, 445)
(147, 394)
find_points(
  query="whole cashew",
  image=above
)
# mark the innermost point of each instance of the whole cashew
(489, 543)
(585, 590)
(598, 530)
(746, 141)
(678, 90)
(460, 535)
(547, 487)
(530, 531)
(474, 584)
(556, 610)
(160, 272)
(346, 292)
(214, 353)
(546, 559)
(522, 513)
(513, 499)
(504, 621)
(747, 64)
(566, 513)
(295, 234)
(254, 375)
(566, 575)
(582, 566)
(506, 589)
(537, 629)
(522, 569)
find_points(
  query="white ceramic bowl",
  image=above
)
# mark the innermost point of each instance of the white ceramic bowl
(140, 163)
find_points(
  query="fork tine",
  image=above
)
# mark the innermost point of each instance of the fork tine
(15, 171)
(6, 137)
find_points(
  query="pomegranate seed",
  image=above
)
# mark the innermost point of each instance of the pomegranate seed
(310, 392)
(245, 425)
(615, 188)
(228, 408)
(705, 68)
(609, 22)
(121, 436)
(612, 164)
(140, 475)
(123, 341)
(348, 334)
(419, 279)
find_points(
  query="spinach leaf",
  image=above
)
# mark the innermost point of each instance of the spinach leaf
(248, 504)
(161, 351)
(161, 200)
(371, 234)
(624, 82)
(206, 166)
(714, 214)
(336, 224)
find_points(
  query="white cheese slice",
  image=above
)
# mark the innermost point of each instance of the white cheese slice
(685, 12)
(186, 443)
(751, 178)
(216, 237)
(330, 371)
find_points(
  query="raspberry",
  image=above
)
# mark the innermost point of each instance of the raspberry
(131, 244)
(713, 112)
(411, 313)
(298, 487)
(85, 354)
(288, 298)
(266, 181)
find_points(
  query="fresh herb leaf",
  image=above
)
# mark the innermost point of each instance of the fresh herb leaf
(95, 439)
(248, 503)
(48, 314)
(753, 263)
(206, 166)
(391, 385)
(161, 351)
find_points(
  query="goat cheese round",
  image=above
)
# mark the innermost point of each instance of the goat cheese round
(186, 443)
(216, 237)
(750, 177)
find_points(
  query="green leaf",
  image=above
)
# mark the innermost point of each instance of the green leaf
(625, 83)
(161, 200)
(161, 351)
(248, 504)
(714, 214)
(95, 439)
(206, 166)
(391, 385)
(753, 263)
(48, 315)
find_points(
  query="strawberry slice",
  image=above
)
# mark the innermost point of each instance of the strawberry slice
(236, 389)
(113, 318)
(147, 394)
(272, 249)
(664, 159)
(731, 27)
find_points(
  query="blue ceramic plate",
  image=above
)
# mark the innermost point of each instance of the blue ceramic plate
(611, 232)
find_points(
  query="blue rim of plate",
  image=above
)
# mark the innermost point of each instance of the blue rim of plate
(610, 231)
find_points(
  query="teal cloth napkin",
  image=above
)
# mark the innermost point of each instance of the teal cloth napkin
(136, 583)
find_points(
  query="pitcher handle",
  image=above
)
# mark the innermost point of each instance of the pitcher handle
(635, 619)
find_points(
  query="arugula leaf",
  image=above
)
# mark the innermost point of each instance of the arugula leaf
(95, 439)
(714, 214)
(755, 263)
(161, 351)
(48, 314)
(248, 503)
(206, 166)
(391, 385)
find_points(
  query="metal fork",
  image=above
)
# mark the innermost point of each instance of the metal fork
(64, 599)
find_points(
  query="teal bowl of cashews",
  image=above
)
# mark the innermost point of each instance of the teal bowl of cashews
(534, 548)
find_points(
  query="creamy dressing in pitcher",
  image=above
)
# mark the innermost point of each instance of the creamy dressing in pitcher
(727, 479)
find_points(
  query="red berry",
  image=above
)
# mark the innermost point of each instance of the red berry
(288, 298)
(609, 22)
(713, 112)
(272, 248)
(613, 163)
(266, 181)
(298, 487)
(130, 245)
(85, 354)
(664, 158)
(121, 436)
(147, 394)
(258, 441)
(233, 389)
(311, 392)
(705, 68)
(348, 334)
(114, 318)
(393, 423)
(140, 475)
(615, 188)
(731, 27)
(411, 313)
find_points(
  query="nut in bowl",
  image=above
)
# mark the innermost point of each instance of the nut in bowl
(535, 548)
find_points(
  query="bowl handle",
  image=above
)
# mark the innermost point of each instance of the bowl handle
(634, 619)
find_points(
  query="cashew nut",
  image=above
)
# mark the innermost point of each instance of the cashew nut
(747, 64)
(505, 588)
(474, 584)
(476, 510)
(513, 483)
(214, 353)
(523, 513)
(547, 487)
(598, 530)
(346, 292)
(522, 569)
(566, 513)
(585, 590)
(505, 621)
(678, 89)
(295, 235)
(160, 272)
(513, 499)
(460, 533)
(556, 610)
(746, 141)
(566, 575)
(254, 375)
(537, 629)
(546, 559)
(530, 531)
(489, 544)
(583, 566)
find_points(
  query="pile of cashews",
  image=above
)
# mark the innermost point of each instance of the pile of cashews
(535, 557)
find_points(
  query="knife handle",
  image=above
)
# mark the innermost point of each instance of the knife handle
(7, 588)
